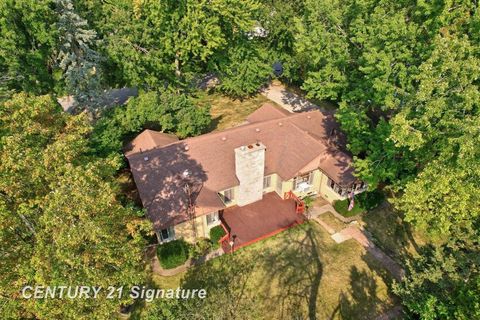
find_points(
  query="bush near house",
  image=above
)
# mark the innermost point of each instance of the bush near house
(173, 254)
(370, 200)
(341, 207)
(363, 202)
(216, 233)
(200, 248)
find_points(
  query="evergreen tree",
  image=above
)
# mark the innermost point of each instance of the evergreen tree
(77, 58)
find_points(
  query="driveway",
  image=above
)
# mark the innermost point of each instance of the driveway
(287, 99)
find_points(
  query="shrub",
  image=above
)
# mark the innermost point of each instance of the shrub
(173, 254)
(201, 247)
(216, 233)
(342, 208)
(308, 200)
(370, 200)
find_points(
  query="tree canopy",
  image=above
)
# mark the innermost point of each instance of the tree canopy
(61, 222)
(404, 76)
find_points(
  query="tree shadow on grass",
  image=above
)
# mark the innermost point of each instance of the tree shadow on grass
(226, 281)
(363, 296)
(295, 266)
(362, 300)
(214, 123)
(391, 233)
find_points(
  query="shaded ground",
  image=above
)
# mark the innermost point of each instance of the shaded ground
(392, 234)
(298, 274)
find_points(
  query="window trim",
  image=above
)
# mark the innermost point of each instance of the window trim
(170, 232)
(225, 199)
(269, 180)
(306, 177)
(215, 220)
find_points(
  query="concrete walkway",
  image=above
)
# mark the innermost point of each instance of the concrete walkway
(288, 100)
(359, 235)
(365, 240)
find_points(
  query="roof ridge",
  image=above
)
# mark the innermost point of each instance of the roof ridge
(241, 127)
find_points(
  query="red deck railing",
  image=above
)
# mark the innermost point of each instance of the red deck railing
(226, 238)
(299, 204)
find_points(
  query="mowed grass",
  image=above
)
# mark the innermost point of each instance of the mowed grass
(300, 273)
(332, 221)
(396, 237)
(226, 112)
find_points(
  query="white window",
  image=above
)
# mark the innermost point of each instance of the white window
(303, 182)
(267, 182)
(228, 196)
(337, 188)
(167, 234)
(360, 186)
(212, 218)
(279, 185)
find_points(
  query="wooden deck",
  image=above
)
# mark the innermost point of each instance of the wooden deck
(259, 220)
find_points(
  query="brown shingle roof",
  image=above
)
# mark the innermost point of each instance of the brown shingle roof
(148, 140)
(267, 112)
(293, 142)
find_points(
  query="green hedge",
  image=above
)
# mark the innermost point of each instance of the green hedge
(216, 233)
(173, 254)
(342, 208)
(363, 202)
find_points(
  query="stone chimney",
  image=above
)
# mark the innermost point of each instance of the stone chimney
(249, 168)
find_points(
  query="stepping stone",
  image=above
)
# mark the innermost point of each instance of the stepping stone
(340, 237)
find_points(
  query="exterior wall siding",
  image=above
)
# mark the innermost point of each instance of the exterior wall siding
(184, 230)
(326, 192)
(319, 187)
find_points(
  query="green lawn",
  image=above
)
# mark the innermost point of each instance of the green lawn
(300, 273)
(395, 236)
(226, 112)
(341, 207)
(332, 221)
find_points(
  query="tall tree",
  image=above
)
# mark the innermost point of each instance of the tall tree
(77, 58)
(443, 283)
(60, 220)
(154, 42)
(440, 125)
(28, 40)
(167, 111)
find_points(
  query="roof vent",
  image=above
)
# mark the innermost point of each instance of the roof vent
(224, 138)
(145, 158)
(257, 129)
(280, 124)
(186, 148)
(309, 117)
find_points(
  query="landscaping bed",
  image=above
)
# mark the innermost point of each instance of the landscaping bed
(363, 202)
(216, 233)
(173, 254)
(342, 208)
